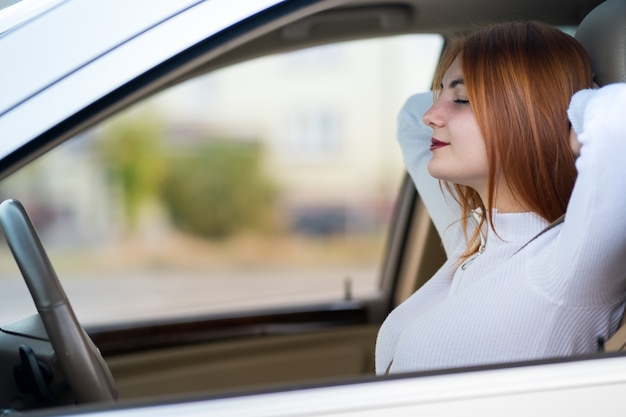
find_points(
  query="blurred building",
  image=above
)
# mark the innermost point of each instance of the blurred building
(325, 116)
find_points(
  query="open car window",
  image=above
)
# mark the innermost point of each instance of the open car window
(265, 184)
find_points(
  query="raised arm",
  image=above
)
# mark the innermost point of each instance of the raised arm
(591, 248)
(415, 139)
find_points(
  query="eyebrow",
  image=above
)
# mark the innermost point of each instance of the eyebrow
(454, 83)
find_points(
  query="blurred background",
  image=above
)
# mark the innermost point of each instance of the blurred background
(264, 184)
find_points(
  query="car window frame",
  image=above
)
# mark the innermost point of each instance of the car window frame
(119, 339)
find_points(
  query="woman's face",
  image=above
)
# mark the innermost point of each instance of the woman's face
(458, 149)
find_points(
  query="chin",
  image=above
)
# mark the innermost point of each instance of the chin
(437, 171)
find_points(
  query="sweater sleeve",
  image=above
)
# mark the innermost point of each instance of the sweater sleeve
(414, 138)
(588, 266)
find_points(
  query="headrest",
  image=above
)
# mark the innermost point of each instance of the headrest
(603, 34)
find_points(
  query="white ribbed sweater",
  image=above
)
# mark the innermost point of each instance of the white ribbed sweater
(556, 296)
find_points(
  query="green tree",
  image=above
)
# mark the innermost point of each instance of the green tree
(219, 189)
(131, 149)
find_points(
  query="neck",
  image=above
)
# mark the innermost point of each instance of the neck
(504, 201)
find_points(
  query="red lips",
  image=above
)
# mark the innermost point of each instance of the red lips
(436, 144)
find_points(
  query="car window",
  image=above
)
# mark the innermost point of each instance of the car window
(269, 183)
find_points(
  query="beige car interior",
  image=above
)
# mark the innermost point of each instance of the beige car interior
(251, 363)
(337, 353)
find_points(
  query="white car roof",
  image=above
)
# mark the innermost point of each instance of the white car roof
(81, 50)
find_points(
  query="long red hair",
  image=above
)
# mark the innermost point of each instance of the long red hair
(519, 79)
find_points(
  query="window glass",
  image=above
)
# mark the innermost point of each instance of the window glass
(269, 183)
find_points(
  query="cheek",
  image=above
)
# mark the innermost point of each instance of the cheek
(471, 147)
(469, 136)
(475, 145)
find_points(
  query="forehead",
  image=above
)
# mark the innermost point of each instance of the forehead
(454, 72)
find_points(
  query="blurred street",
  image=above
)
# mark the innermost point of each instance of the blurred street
(99, 298)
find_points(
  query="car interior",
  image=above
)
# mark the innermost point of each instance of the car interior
(265, 348)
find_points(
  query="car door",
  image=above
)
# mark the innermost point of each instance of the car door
(248, 222)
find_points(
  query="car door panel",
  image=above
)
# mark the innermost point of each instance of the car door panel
(253, 362)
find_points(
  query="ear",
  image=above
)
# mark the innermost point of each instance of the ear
(574, 143)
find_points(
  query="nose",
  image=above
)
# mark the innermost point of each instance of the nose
(433, 116)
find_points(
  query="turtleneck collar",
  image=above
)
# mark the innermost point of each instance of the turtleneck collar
(515, 227)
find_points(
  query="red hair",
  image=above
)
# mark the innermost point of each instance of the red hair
(519, 79)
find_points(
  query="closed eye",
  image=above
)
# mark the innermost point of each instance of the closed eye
(460, 101)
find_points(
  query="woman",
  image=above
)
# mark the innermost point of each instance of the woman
(492, 161)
